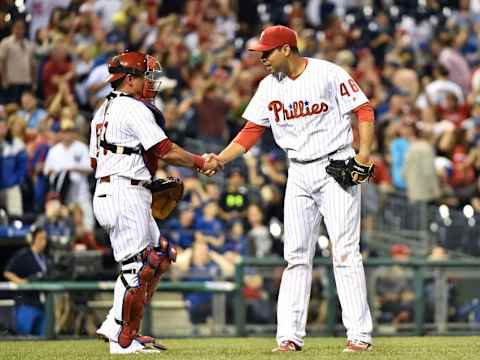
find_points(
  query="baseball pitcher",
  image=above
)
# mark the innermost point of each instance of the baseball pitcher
(308, 104)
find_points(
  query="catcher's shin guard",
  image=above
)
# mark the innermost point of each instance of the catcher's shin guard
(157, 261)
(132, 311)
(167, 254)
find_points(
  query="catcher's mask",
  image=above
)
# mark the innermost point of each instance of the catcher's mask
(137, 64)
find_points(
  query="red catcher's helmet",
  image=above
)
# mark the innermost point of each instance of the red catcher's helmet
(138, 64)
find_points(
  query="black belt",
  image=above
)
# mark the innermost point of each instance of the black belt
(106, 179)
(135, 258)
(296, 161)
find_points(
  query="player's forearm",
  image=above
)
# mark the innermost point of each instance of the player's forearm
(231, 152)
(179, 157)
(244, 140)
(366, 134)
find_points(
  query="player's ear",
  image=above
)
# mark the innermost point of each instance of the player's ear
(286, 49)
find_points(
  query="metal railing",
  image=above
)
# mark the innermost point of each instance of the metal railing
(421, 271)
(51, 288)
(393, 219)
(419, 268)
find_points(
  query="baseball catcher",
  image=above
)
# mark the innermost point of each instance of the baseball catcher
(166, 193)
(127, 141)
(349, 172)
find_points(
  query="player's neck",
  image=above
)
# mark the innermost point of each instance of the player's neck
(296, 66)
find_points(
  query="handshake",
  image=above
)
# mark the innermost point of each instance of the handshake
(213, 163)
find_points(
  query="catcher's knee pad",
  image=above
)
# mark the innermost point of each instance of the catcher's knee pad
(162, 257)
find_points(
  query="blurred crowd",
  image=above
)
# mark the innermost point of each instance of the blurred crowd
(417, 61)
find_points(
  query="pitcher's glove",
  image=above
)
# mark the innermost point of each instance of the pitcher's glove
(166, 193)
(349, 172)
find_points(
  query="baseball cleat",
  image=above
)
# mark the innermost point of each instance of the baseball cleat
(134, 348)
(287, 346)
(150, 341)
(107, 331)
(357, 346)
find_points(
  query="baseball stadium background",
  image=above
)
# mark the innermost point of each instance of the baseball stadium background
(416, 60)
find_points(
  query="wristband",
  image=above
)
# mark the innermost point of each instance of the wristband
(198, 161)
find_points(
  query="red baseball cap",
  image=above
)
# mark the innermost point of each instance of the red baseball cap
(273, 37)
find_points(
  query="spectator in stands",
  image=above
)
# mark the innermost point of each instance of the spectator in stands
(37, 150)
(236, 244)
(17, 63)
(62, 106)
(398, 150)
(452, 110)
(96, 86)
(13, 161)
(40, 11)
(433, 287)
(458, 68)
(272, 201)
(258, 302)
(419, 170)
(463, 178)
(234, 200)
(17, 127)
(199, 263)
(84, 239)
(259, 239)
(472, 124)
(57, 223)
(57, 70)
(31, 111)
(274, 168)
(211, 110)
(29, 264)
(180, 229)
(394, 288)
(209, 228)
(436, 90)
(69, 158)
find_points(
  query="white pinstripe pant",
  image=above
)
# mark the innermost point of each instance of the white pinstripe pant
(311, 194)
(124, 211)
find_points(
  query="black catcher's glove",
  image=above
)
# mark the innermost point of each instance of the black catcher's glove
(349, 172)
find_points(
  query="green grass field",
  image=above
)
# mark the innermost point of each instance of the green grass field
(404, 348)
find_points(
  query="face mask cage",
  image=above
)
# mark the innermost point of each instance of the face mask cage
(153, 75)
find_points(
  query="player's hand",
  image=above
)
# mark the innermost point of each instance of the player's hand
(213, 164)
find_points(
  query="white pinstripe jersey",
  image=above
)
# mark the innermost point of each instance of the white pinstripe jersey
(123, 121)
(310, 115)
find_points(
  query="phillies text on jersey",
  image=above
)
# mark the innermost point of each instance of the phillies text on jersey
(309, 115)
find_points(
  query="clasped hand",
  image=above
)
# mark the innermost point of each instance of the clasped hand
(212, 165)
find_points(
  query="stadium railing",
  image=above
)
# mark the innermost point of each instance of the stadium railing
(51, 288)
(422, 269)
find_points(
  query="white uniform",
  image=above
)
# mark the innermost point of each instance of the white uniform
(121, 208)
(310, 119)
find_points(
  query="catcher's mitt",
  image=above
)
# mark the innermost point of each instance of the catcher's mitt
(349, 172)
(166, 193)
